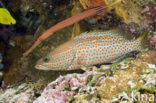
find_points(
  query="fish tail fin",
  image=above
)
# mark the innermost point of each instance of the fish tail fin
(143, 41)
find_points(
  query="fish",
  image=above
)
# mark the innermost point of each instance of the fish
(5, 17)
(99, 10)
(89, 49)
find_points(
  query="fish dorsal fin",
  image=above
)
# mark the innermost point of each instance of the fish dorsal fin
(100, 35)
(120, 33)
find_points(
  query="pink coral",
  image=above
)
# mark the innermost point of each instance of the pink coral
(56, 93)
(53, 96)
(61, 90)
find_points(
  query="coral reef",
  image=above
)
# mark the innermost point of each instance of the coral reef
(129, 74)
(130, 9)
(14, 94)
(132, 76)
(61, 89)
(149, 57)
(129, 77)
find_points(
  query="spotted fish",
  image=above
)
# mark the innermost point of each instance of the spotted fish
(89, 49)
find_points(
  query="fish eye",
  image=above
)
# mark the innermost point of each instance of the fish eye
(46, 59)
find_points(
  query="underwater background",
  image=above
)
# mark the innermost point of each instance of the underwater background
(22, 22)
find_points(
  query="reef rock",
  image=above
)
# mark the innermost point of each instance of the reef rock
(131, 75)
(121, 82)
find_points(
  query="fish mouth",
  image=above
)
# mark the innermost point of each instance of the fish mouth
(40, 67)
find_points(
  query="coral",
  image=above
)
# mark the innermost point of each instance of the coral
(92, 86)
(127, 78)
(149, 57)
(149, 24)
(17, 94)
(131, 77)
(129, 10)
(119, 82)
(38, 85)
(63, 88)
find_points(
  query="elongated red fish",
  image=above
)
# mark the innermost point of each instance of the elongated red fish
(89, 49)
